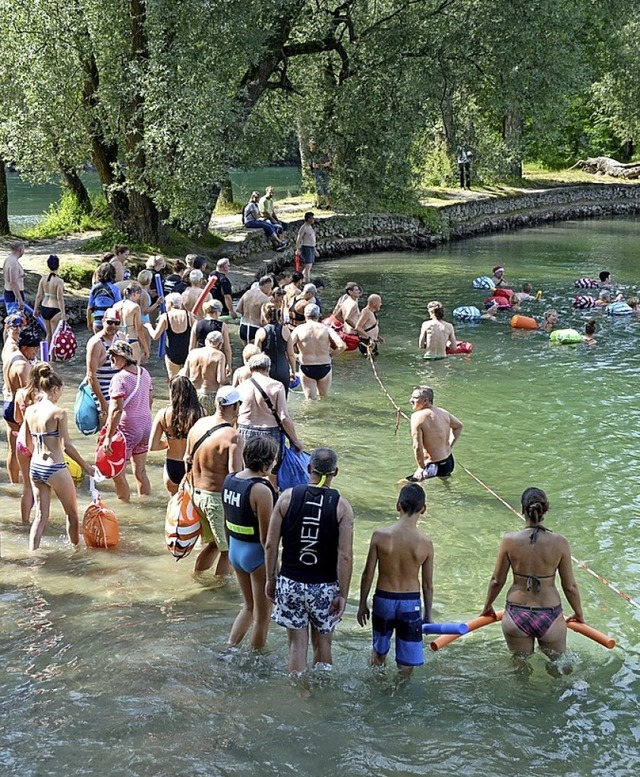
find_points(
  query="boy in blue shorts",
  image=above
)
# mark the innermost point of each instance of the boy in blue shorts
(402, 553)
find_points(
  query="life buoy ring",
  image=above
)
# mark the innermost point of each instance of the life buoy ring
(462, 347)
(523, 322)
(467, 313)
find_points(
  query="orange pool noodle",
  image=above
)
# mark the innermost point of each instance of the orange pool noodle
(523, 322)
(473, 624)
(594, 634)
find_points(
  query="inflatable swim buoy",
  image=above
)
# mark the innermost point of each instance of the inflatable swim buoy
(182, 522)
(112, 464)
(619, 309)
(462, 347)
(501, 302)
(100, 525)
(466, 313)
(523, 322)
(75, 470)
(506, 293)
(584, 302)
(351, 341)
(566, 336)
(587, 283)
(484, 283)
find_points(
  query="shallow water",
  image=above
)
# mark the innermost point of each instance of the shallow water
(115, 662)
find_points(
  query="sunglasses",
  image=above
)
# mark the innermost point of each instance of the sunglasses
(113, 323)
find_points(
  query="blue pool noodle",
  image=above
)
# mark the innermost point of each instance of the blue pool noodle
(445, 628)
(163, 308)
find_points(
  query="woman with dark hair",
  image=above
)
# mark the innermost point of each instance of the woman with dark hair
(103, 295)
(533, 610)
(49, 302)
(248, 498)
(46, 425)
(174, 423)
(275, 340)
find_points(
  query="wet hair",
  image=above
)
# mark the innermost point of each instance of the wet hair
(250, 350)
(185, 406)
(514, 299)
(425, 392)
(42, 379)
(323, 461)
(106, 273)
(131, 289)
(214, 339)
(534, 504)
(312, 311)
(145, 277)
(590, 328)
(604, 276)
(436, 308)
(296, 277)
(270, 313)
(527, 288)
(412, 498)
(319, 283)
(605, 294)
(549, 313)
(265, 281)
(260, 362)
(121, 249)
(633, 302)
(259, 453)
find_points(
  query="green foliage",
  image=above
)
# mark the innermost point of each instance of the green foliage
(65, 217)
(177, 244)
(77, 274)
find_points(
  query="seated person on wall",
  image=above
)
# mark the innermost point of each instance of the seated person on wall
(253, 220)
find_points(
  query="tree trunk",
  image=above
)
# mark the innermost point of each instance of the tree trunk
(4, 200)
(626, 152)
(512, 136)
(604, 165)
(77, 188)
(224, 192)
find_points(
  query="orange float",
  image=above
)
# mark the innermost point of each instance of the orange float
(182, 522)
(473, 624)
(523, 322)
(594, 634)
(100, 525)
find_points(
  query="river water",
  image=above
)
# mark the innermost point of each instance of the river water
(115, 662)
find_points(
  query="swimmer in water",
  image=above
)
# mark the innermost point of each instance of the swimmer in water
(605, 279)
(491, 311)
(604, 298)
(436, 333)
(498, 278)
(589, 332)
(550, 320)
(525, 295)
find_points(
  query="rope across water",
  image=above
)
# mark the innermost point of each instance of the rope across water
(401, 414)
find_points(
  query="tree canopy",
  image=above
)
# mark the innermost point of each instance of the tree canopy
(164, 97)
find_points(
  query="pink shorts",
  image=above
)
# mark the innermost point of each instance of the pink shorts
(137, 440)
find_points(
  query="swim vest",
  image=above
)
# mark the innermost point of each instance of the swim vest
(466, 313)
(523, 322)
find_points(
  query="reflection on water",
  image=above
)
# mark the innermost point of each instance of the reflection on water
(115, 662)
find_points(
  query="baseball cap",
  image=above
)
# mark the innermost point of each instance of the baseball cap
(228, 395)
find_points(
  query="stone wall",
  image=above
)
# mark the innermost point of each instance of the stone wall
(341, 235)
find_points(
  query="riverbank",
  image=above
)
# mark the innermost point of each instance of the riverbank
(454, 215)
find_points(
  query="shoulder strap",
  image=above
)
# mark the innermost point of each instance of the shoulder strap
(204, 437)
(135, 390)
(269, 404)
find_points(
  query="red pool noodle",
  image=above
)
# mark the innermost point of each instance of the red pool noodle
(473, 624)
(210, 284)
(594, 634)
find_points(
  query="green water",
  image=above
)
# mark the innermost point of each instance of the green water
(27, 202)
(115, 662)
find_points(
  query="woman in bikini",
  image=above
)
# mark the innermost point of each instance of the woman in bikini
(131, 321)
(174, 423)
(49, 302)
(177, 323)
(46, 426)
(533, 610)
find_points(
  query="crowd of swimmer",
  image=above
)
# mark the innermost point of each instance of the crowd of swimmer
(223, 432)
(502, 299)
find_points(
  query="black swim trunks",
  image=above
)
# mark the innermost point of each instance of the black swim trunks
(315, 371)
(440, 469)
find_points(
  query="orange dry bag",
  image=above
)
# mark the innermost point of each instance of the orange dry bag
(100, 524)
(523, 322)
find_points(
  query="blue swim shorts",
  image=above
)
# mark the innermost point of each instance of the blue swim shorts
(402, 613)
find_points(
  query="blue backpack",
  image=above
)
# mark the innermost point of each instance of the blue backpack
(85, 409)
(293, 468)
